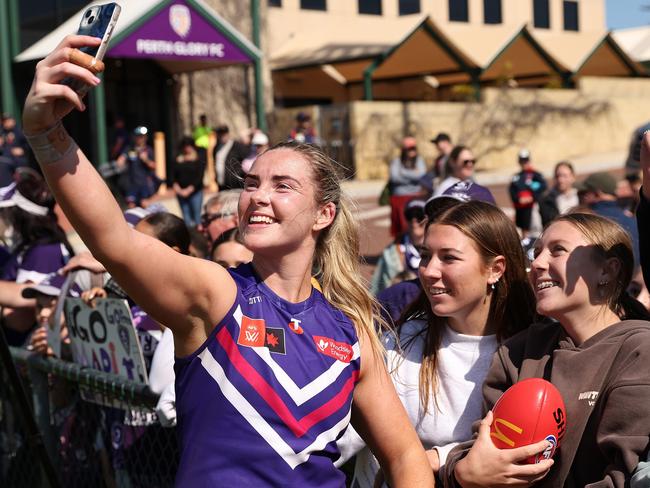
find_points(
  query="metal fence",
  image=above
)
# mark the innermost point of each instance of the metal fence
(88, 443)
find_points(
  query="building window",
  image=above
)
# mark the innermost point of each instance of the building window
(492, 11)
(275, 3)
(458, 11)
(541, 15)
(370, 7)
(571, 15)
(408, 7)
(313, 4)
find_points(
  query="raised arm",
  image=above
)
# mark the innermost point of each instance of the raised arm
(186, 294)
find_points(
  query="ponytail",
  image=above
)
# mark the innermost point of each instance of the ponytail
(631, 309)
(336, 262)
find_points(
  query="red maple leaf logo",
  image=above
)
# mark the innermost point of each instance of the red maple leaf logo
(272, 340)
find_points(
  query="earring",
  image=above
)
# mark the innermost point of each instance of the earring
(603, 283)
(494, 285)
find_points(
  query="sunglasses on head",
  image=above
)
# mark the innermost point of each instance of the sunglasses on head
(207, 219)
(467, 162)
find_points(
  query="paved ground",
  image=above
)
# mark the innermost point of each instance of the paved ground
(375, 221)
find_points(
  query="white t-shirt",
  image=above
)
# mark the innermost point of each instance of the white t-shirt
(463, 363)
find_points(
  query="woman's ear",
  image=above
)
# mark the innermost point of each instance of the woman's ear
(325, 216)
(610, 270)
(496, 269)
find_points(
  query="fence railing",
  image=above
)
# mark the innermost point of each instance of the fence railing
(113, 441)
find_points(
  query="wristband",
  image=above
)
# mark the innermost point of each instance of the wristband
(52, 145)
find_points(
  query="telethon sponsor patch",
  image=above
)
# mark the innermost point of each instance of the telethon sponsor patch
(334, 349)
(295, 327)
(274, 340)
(252, 332)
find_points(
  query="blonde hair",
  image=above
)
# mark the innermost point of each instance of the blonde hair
(336, 263)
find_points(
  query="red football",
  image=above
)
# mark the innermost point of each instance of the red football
(528, 412)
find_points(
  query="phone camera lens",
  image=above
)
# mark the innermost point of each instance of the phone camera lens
(91, 19)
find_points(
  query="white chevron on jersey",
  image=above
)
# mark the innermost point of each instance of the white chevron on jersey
(256, 420)
(311, 389)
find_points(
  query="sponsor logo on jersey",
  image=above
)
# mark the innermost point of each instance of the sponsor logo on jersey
(294, 326)
(254, 300)
(334, 349)
(252, 332)
(590, 396)
(274, 340)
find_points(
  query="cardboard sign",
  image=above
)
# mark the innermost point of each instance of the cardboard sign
(104, 338)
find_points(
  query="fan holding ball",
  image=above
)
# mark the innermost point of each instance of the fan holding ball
(590, 425)
(528, 412)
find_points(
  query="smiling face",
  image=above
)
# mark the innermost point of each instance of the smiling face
(278, 207)
(454, 275)
(565, 273)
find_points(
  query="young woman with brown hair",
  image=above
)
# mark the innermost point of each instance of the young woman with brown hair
(475, 293)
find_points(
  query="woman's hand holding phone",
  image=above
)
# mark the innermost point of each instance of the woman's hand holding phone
(48, 100)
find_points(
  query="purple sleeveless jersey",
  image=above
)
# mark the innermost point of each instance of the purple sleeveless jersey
(262, 402)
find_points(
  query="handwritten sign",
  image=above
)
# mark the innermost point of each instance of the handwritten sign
(104, 338)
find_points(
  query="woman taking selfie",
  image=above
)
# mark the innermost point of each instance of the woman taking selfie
(267, 366)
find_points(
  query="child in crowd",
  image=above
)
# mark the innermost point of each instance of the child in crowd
(402, 255)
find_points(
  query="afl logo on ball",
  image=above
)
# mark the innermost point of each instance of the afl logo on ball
(549, 451)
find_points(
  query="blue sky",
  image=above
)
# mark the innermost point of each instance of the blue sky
(626, 13)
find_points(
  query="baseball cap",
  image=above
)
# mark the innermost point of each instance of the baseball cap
(463, 191)
(442, 136)
(51, 286)
(11, 197)
(303, 117)
(524, 154)
(603, 182)
(259, 139)
(140, 130)
(414, 209)
(136, 214)
(409, 142)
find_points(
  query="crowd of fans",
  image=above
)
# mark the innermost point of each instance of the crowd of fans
(460, 284)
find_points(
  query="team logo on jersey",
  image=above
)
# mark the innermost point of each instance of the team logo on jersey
(294, 326)
(334, 349)
(252, 332)
(274, 340)
(180, 19)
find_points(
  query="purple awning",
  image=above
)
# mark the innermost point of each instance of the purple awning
(179, 33)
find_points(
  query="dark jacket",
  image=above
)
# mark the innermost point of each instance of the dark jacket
(605, 384)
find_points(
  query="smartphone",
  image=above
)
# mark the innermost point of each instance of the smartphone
(97, 21)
